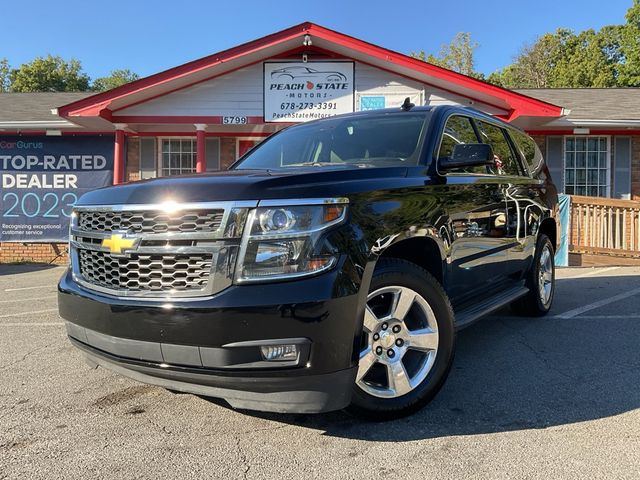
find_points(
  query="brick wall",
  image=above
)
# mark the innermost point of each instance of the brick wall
(33, 252)
(227, 152)
(133, 159)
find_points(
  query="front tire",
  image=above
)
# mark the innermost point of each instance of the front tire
(540, 280)
(407, 342)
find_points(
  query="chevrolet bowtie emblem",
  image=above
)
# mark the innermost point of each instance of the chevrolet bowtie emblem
(117, 243)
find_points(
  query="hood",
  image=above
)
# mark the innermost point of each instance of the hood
(229, 185)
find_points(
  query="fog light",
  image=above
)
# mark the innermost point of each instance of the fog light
(279, 353)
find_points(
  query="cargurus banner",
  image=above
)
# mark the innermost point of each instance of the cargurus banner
(43, 177)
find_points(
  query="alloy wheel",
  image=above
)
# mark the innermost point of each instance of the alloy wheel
(545, 275)
(400, 342)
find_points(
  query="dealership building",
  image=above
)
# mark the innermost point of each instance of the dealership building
(201, 116)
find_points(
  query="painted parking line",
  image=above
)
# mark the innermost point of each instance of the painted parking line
(27, 288)
(28, 299)
(596, 271)
(33, 312)
(608, 317)
(592, 306)
(37, 324)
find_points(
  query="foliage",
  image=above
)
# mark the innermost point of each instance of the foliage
(5, 72)
(456, 55)
(55, 74)
(49, 74)
(629, 69)
(115, 79)
(609, 57)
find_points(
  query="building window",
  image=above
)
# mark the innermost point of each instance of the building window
(177, 156)
(586, 166)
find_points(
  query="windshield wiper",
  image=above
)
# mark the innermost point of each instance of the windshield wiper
(312, 164)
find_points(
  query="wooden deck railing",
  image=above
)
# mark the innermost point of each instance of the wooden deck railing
(604, 226)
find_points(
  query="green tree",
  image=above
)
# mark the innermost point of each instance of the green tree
(49, 74)
(629, 38)
(5, 73)
(608, 57)
(458, 55)
(585, 62)
(115, 79)
(533, 66)
(565, 59)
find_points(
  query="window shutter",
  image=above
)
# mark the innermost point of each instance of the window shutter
(555, 162)
(622, 168)
(148, 157)
(213, 154)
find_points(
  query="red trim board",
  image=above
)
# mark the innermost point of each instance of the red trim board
(98, 105)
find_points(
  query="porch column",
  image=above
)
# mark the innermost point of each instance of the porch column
(118, 155)
(201, 154)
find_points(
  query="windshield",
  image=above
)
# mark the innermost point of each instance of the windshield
(385, 140)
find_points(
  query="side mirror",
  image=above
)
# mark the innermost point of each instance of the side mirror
(468, 155)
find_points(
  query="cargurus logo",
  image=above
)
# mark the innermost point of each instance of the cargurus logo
(20, 144)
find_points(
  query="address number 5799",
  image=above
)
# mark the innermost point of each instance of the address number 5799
(234, 120)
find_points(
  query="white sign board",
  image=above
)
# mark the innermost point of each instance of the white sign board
(299, 92)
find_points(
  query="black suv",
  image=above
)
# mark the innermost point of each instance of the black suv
(330, 266)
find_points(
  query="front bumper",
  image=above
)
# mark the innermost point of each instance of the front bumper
(209, 346)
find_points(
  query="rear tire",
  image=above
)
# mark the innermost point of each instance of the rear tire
(407, 342)
(540, 280)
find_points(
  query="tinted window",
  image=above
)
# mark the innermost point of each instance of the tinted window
(506, 162)
(529, 150)
(373, 140)
(458, 130)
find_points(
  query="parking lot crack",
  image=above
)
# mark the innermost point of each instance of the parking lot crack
(27, 355)
(522, 340)
(162, 428)
(243, 457)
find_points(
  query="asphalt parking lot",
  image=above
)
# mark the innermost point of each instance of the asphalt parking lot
(557, 397)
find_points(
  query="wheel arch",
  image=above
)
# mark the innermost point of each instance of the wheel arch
(549, 228)
(425, 252)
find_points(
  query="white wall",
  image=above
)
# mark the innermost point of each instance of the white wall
(240, 93)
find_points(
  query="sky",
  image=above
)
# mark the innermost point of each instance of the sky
(150, 36)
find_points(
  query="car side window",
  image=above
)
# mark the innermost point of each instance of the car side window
(506, 162)
(529, 150)
(458, 130)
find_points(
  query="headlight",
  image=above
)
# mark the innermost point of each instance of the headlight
(281, 242)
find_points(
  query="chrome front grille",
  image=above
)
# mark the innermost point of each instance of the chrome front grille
(150, 251)
(146, 273)
(150, 221)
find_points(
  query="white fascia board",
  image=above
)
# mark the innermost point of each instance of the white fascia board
(19, 125)
(594, 122)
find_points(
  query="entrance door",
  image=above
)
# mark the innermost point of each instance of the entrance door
(245, 145)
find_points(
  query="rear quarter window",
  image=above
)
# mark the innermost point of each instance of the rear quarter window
(506, 161)
(529, 150)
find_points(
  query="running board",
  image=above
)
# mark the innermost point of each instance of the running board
(471, 314)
